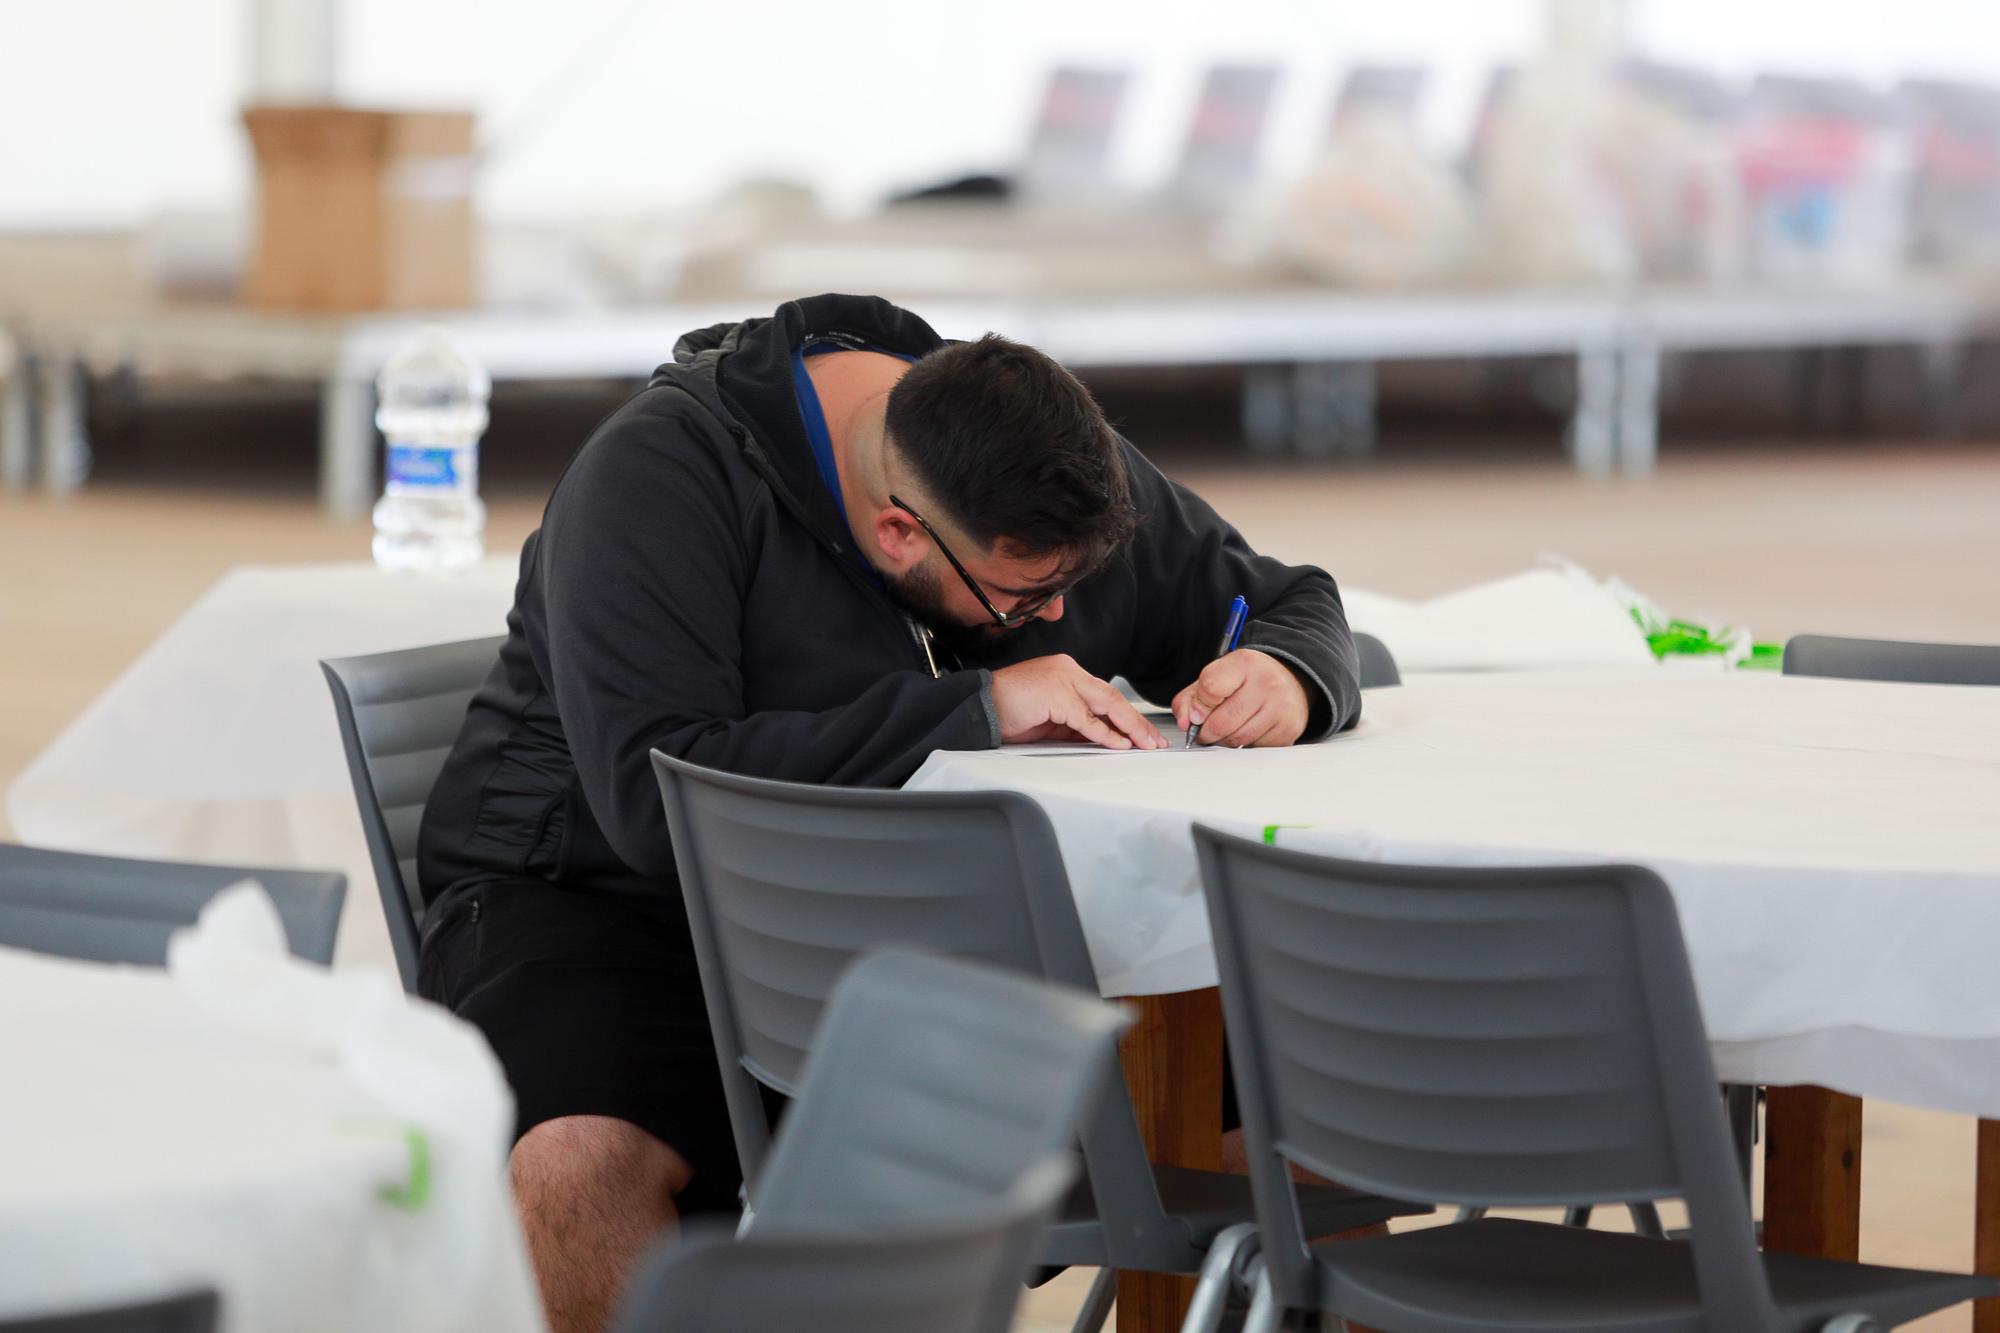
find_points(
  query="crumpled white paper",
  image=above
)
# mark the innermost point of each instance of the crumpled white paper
(1555, 616)
(429, 1071)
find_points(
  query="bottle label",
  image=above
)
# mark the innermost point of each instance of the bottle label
(422, 467)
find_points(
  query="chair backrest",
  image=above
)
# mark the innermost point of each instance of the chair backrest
(189, 1312)
(1378, 664)
(400, 714)
(933, 1081)
(957, 1271)
(787, 883)
(1499, 1036)
(1889, 659)
(112, 909)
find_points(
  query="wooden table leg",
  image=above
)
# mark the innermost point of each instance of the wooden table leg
(1812, 1172)
(1173, 1066)
(1986, 1224)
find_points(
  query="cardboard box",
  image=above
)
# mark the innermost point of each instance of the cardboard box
(361, 210)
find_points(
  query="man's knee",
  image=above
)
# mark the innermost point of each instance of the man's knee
(595, 1163)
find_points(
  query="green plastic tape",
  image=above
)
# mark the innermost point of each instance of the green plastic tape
(415, 1192)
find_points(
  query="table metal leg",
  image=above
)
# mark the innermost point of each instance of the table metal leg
(1315, 427)
(1593, 427)
(17, 439)
(1812, 1172)
(1354, 408)
(1944, 379)
(1986, 1224)
(1638, 432)
(1333, 409)
(62, 425)
(347, 447)
(1267, 409)
(1173, 1066)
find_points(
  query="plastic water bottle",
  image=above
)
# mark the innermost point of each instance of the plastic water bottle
(431, 409)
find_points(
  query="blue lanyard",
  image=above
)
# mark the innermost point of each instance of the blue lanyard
(819, 439)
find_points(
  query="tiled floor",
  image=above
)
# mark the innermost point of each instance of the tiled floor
(1895, 541)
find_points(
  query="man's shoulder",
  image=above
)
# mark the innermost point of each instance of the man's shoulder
(662, 436)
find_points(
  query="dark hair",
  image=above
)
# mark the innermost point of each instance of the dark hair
(1015, 450)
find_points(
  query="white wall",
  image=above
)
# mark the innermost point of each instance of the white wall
(113, 109)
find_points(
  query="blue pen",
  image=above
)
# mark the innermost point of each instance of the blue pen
(1232, 634)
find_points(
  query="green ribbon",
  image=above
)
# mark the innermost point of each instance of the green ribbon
(1684, 638)
(1764, 657)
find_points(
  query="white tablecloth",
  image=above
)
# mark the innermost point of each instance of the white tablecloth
(219, 743)
(1833, 846)
(235, 1125)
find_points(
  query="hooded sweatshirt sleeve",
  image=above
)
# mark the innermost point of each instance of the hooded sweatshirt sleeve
(1189, 564)
(644, 566)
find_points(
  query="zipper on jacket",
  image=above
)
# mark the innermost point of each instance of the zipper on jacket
(922, 635)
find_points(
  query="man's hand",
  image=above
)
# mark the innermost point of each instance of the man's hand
(1052, 698)
(1246, 698)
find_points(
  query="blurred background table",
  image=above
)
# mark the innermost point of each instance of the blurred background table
(219, 743)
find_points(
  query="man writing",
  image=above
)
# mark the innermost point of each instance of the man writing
(816, 547)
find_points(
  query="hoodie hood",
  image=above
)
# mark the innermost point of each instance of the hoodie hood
(742, 373)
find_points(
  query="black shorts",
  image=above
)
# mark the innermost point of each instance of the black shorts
(594, 1007)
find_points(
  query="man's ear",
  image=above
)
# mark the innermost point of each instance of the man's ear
(898, 538)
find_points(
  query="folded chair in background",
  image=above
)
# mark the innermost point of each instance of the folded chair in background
(114, 909)
(1892, 660)
(1378, 664)
(931, 1138)
(1508, 1038)
(189, 1312)
(786, 882)
(400, 714)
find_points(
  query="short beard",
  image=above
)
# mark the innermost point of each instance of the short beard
(920, 593)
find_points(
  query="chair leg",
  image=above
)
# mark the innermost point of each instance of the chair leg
(1741, 1101)
(1470, 1213)
(1577, 1215)
(1646, 1220)
(1220, 1274)
(1096, 1306)
(1264, 1312)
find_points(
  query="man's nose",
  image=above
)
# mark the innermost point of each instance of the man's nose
(1053, 611)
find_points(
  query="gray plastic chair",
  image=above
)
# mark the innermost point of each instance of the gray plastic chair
(1378, 664)
(1889, 659)
(933, 1081)
(400, 714)
(786, 882)
(930, 1141)
(1504, 1037)
(940, 1275)
(936, 1083)
(189, 1312)
(114, 909)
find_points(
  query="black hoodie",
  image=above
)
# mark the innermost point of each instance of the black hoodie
(693, 588)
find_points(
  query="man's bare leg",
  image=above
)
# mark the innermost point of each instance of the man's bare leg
(593, 1193)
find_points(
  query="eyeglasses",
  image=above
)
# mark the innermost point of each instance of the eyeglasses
(1022, 613)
